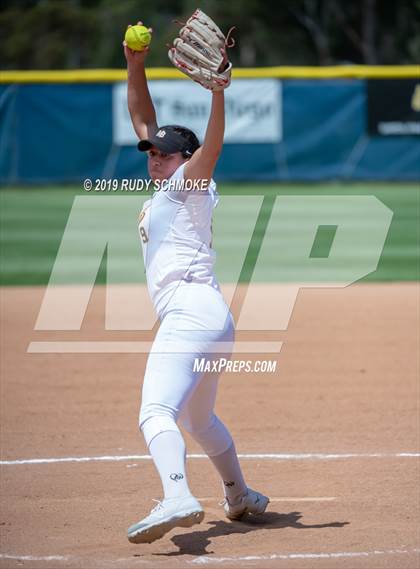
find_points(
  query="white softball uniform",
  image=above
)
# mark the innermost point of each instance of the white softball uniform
(175, 233)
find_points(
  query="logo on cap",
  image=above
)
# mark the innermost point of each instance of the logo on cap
(161, 133)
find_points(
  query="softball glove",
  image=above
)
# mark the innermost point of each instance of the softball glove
(200, 52)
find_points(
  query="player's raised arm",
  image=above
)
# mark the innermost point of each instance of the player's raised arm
(202, 163)
(200, 53)
(140, 105)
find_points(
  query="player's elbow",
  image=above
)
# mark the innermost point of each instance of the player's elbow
(144, 130)
(211, 154)
(208, 164)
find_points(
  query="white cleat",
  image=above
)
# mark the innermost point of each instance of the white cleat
(170, 513)
(250, 503)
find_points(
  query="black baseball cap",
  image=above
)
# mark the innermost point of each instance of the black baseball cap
(171, 139)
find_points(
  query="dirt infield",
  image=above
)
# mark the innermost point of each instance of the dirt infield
(346, 385)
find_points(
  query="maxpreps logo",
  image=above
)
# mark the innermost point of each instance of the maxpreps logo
(289, 251)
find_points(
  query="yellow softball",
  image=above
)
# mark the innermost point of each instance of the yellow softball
(137, 37)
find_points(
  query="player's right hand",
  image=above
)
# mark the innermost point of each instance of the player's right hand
(135, 57)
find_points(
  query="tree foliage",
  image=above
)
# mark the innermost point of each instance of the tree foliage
(66, 34)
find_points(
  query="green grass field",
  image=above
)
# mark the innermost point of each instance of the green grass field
(33, 221)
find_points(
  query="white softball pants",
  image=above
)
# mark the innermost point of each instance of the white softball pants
(195, 320)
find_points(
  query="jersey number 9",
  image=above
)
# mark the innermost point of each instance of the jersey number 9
(143, 235)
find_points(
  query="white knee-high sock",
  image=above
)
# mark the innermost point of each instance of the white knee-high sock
(168, 453)
(227, 465)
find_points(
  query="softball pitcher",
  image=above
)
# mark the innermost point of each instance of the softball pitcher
(176, 237)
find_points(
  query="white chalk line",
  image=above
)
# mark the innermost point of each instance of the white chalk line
(270, 456)
(289, 556)
(205, 560)
(282, 499)
(35, 557)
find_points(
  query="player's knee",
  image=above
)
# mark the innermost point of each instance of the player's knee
(153, 426)
(156, 418)
(149, 410)
(211, 435)
(198, 425)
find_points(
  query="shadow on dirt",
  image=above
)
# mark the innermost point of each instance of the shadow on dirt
(196, 542)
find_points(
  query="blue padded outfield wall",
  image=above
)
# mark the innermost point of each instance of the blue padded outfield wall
(288, 130)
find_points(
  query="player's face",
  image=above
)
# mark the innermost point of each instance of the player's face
(161, 166)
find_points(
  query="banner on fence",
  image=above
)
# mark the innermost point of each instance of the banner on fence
(291, 130)
(393, 107)
(253, 110)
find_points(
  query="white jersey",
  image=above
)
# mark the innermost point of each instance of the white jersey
(176, 237)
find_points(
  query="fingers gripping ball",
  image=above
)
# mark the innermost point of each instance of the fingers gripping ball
(138, 37)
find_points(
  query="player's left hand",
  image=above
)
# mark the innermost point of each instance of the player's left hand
(200, 52)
